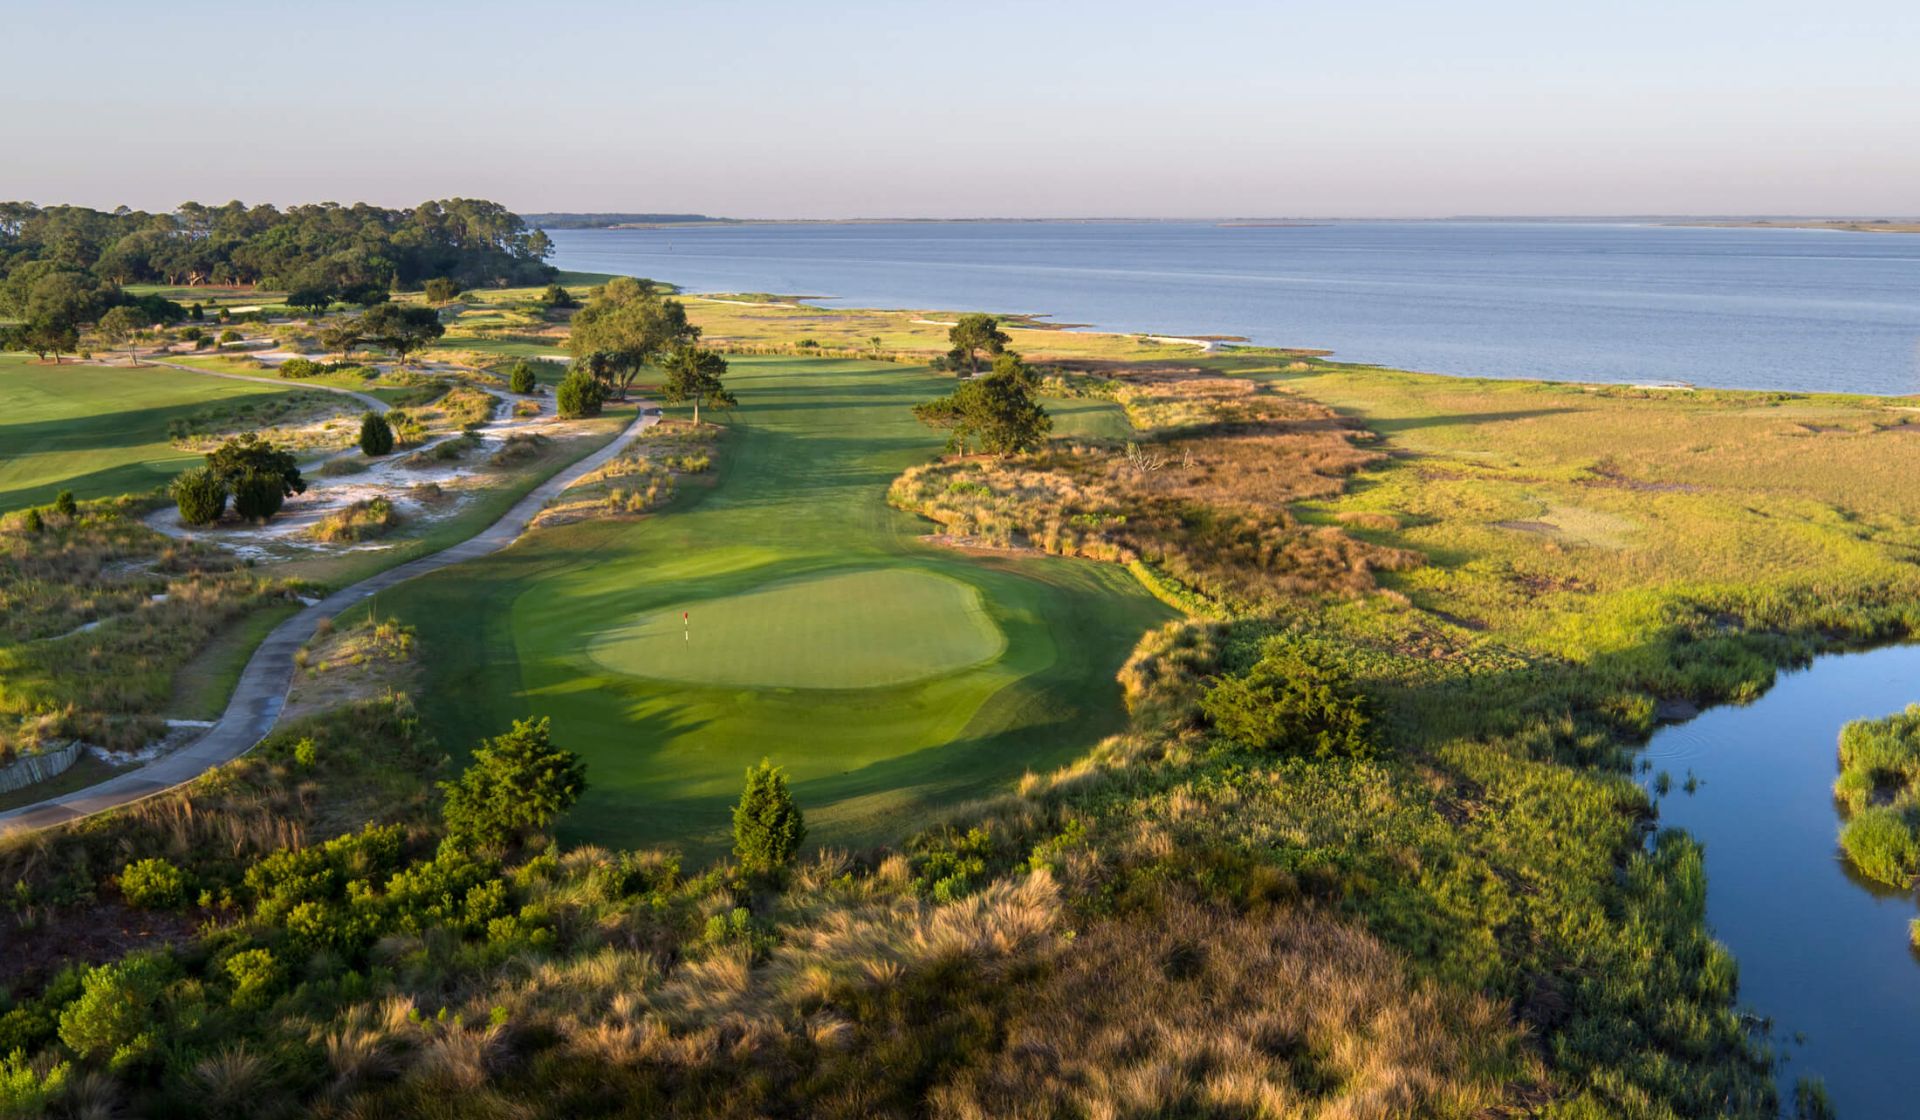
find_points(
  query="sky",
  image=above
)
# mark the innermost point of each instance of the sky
(852, 108)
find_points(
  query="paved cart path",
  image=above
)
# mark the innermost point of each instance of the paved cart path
(262, 691)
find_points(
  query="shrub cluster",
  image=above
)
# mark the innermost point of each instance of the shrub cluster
(154, 884)
(1287, 703)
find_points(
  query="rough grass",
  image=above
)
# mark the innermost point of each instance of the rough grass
(1203, 497)
(643, 477)
(1879, 789)
(157, 603)
(358, 521)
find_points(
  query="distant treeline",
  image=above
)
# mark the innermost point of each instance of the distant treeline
(604, 221)
(323, 246)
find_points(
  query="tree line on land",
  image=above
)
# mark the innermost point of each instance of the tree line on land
(473, 242)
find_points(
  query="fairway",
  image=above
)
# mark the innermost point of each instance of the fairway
(95, 430)
(889, 675)
(854, 630)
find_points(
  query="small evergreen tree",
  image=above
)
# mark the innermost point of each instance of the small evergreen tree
(520, 378)
(376, 435)
(768, 828)
(257, 495)
(580, 395)
(201, 495)
(33, 522)
(517, 784)
(64, 505)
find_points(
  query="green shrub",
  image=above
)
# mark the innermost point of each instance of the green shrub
(580, 395)
(201, 496)
(376, 435)
(154, 884)
(1883, 844)
(257, 495)
(255, 974)
(516, 785)
(26, 1090)
(259, 475)
(33, 523)
(1286, 703)
(113, 1018)
(520, 379)
(768, 828)
(64, 505)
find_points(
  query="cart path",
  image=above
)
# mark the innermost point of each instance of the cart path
(262, 690)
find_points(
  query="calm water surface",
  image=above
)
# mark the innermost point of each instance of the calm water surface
(1802, 310)
(1821, 953)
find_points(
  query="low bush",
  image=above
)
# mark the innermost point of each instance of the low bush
(408, 430)
(520, 379)
(200, 494)
(362, 520)
(1286, 703)
(154, 884)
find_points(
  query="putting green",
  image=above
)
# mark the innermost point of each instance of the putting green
(866, 629)
(889, 676)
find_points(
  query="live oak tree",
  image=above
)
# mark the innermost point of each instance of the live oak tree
(343, 336)
(119, 326)
(998, 412)
(626, 327)
(694, 375)
(974, 334)
(402, 330)
(314, 301)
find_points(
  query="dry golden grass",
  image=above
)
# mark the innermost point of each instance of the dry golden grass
(644, 476)
(359, 521)
(1285, 1014)
(1205, 500)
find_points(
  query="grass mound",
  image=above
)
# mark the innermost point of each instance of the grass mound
(863, 629)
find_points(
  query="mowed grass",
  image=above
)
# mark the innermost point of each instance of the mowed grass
(95, 430)
(1089, 418)
(974, 667)
(884, 626)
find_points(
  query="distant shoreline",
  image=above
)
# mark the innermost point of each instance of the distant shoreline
(1688, 221)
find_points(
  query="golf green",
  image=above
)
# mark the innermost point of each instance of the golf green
(867, 629)
(786, 612)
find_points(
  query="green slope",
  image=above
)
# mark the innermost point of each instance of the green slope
(887, 674)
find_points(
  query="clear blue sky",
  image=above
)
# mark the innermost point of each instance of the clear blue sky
(764, 109)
